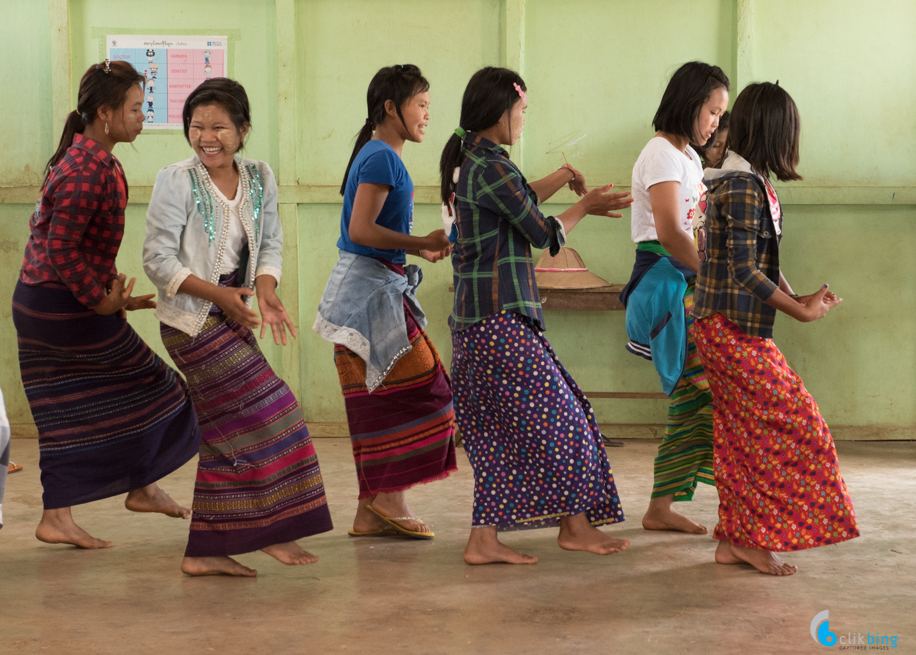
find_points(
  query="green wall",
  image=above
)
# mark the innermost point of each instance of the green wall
(595, 71)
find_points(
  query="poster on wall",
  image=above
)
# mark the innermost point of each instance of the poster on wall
(174, 66)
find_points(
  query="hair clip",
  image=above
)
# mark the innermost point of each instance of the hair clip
(521, 93)
(107, 66)
(370, 123)
(460, 132)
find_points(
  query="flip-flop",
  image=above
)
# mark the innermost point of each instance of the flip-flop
(387, 531)
(13, 468)
(392, 521)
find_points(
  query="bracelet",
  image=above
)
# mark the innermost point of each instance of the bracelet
(566, 166)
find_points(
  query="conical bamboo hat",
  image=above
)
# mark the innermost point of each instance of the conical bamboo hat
(565, 271)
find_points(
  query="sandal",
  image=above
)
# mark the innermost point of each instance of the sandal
(387, 531)
(393, 522)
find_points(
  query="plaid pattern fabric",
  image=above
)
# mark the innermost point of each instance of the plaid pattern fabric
(741, 271)
(78, 225)
(498, 221)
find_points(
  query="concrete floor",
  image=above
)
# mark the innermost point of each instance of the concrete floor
(664, 595)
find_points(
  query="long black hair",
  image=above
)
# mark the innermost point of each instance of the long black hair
(765, 129)
(395, 83)
(103, 84)
(684, 97)
(222, 91)
(488, 95)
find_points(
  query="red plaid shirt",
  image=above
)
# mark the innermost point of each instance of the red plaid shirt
(78, 225)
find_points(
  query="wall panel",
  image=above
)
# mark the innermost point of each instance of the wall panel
(595, 68)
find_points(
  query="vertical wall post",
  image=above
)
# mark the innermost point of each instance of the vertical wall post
(514, 54)
(745, 45)
(61, 74)
(287, 176)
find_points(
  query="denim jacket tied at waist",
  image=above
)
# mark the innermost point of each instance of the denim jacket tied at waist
(363, 309)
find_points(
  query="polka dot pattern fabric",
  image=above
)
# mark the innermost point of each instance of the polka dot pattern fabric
(775, 462)
(529, 431)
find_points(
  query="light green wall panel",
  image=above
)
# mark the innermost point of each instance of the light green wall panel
(25, 93)
(600, 71)
(343, 43)
(849, 65)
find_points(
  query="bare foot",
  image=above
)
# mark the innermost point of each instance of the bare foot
(153, 499)
(765, 561)
(215, 566)
(57, 527)
(366, 521)
(576, 533)
(395, 505)
(661, 516)
(724, 554)
(290, 553)
(484, 547)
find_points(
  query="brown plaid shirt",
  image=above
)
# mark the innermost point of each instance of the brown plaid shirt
(741, 270)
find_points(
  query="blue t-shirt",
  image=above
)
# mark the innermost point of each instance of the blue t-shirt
(378, 163)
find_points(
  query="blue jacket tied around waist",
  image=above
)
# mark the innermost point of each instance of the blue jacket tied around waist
(656, 325)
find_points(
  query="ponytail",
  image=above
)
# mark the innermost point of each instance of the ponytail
(452, 157)
(364, 136)
(74, 125)
(396, 83)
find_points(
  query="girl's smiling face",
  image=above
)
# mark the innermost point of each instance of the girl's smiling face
(214, 137)
(708, 119)
(416, 116)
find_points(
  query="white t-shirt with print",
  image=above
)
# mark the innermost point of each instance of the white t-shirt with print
(659, 162)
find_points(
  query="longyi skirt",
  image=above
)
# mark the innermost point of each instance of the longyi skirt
(111, 415)
(529, 431)
(258, 481)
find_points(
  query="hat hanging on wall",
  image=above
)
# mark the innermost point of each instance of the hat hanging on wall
(565, 271)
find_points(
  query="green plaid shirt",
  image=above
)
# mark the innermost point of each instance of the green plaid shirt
(498, 221)
(741, 270)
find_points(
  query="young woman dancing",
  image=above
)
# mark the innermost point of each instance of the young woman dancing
(529, 431)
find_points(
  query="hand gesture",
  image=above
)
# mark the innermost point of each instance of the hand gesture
(577, 184)
(435, 255)
(141, 302)
(118, 296)
(273, 313)
(817, 304)
(598, 202)
(437, 240)
(232, 301)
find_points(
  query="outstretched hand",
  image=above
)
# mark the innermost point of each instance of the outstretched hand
(141, 302)
(273, 313)
(600, 202)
